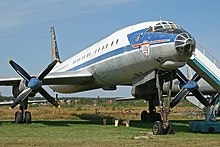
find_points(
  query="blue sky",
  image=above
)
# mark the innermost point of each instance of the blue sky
(25, 24)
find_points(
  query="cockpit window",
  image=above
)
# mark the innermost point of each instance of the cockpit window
(158, 26)
(166, 27)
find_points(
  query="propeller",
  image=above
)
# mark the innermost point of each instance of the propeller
(33, 83)
(188, 86)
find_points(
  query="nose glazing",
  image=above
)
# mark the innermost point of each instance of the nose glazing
(185, 44)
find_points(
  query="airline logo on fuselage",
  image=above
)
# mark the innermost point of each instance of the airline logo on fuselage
(150, 43)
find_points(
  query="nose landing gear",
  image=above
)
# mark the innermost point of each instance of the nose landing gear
(164, 126)
(23, 116)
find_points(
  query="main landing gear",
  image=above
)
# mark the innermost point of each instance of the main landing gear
(23, 116)
(164, 126)
(151, 115)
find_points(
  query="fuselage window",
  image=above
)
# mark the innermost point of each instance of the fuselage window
(103, 47)
(98, 49)
(117, 41)
(106, 46)
(112, 43)
(88, 55)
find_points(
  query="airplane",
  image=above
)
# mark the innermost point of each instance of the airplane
(145, 56)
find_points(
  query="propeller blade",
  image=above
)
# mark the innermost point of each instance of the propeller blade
(48, 97)
(180, 95)
(181, 77)
(20, 70)
(47, 70)
(200, 97)
(21, 97)
(196, 77)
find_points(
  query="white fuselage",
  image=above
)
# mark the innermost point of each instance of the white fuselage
(117, 59)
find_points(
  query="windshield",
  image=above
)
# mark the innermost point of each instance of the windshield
(166, 27)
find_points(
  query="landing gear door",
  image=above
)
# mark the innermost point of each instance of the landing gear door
(146, 50)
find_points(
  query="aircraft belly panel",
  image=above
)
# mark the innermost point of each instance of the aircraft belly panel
(72, 88)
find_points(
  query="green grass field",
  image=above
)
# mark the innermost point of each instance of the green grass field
(92, 133)
(82, 126)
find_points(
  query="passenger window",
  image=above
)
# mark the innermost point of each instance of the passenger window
(106, 45)
(117, 41)
(112, 43)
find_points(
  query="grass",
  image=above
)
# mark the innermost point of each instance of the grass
(83, 127)
(92, 133)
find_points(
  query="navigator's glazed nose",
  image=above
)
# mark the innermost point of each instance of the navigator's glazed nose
(185, 44)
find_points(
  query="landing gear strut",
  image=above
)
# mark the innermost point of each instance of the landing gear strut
(164, 126)
(23, 116)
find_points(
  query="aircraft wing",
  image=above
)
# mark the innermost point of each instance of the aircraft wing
(58, 78)
(29, 102)
(68, 78)
(10, 81)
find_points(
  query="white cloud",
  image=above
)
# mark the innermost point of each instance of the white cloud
(24, 12)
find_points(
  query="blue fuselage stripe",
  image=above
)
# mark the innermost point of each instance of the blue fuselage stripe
(104, 56)
(127, 48)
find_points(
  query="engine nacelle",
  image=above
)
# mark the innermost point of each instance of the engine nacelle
(17, 89)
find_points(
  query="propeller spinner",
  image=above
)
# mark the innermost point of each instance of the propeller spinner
(188, 86)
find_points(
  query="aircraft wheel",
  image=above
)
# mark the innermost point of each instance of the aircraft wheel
(18, 117)
(169, 129)
(27, 117)
(158, 128)
(144, 115)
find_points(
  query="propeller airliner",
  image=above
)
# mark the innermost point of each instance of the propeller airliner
(144, 56)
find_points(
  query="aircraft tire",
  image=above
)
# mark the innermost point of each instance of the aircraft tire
(169, 129)
(27, 117)
(18, 118)
(144, 115)
(158, 128)
(16, 115)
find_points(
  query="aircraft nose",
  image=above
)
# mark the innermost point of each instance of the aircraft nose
(185, 44)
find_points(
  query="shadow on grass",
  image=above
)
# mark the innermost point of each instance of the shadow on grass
(179, 125)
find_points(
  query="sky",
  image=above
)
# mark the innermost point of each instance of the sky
(25, 29)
